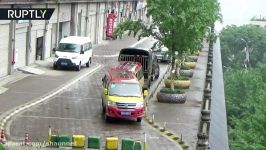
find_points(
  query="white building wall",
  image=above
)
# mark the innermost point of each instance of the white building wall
(101, 28)
(92, 22)
(261, 23)
(48, 41)
(20, 46)
(66, 28)
(33, 47)
(82, 7)
(65, 12)
(53, 18)
(4, 37)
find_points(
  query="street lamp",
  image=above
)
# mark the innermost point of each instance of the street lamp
(246, 50)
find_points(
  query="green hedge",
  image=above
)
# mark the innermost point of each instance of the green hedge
(169, 91)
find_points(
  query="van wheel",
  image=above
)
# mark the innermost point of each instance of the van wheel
(78, 67)
(139, 119)
(88, 63)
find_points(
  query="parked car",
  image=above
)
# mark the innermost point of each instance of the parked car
(161, 53)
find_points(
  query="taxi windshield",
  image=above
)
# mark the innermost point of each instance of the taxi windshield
(68, 47)
(125, 89)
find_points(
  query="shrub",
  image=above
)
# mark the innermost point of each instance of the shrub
(170, 91)
(178, 78)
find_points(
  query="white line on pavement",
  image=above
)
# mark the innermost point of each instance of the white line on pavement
(57, 118)
(23, 107)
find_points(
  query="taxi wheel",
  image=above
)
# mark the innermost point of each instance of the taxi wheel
(103, 108)
(139, 119)
(107, 118)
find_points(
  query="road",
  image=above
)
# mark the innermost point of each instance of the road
(77, 109)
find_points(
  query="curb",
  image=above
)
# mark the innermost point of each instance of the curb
(166, 133)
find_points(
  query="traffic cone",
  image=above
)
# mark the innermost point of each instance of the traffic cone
(2, 137)
(26, 140)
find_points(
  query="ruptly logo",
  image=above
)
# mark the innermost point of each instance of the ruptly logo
(26, 13)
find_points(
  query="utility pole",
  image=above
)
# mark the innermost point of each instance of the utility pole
(246, 50)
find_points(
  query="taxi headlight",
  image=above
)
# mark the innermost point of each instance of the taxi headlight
(111, 103)
(139, 104)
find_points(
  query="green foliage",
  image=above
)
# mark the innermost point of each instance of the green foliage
(232, 46)
(246, 103)
(181, 24)
(178, 78)
(170, 91)
(184, 67)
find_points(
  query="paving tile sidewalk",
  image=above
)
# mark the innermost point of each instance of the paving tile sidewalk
(184, 119)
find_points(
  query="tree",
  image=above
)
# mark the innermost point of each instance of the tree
(181, 24)
(246, 103)
(241, 86)
(234, 39)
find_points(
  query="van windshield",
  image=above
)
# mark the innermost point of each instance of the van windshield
(67, 47)
(125, 89)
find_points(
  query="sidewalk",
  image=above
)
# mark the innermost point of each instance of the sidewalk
(183, 119)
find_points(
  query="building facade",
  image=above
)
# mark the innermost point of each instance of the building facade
(25, 41)
(258, 21)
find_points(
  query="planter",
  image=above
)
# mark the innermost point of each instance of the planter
(171, 98)
(184, 84)
(193, 58)
(186, 73)
(191, 65)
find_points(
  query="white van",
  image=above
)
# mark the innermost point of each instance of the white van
(73, 51)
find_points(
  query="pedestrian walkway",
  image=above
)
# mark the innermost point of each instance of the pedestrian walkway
(184, 119)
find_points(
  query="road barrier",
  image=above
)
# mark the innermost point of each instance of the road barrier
(203, 131)
(78, 141)
(94, 142)
(111, 143)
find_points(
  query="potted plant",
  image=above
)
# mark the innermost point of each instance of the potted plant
(168, 95)
(186, 71)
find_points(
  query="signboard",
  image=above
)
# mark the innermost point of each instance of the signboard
(110, 24)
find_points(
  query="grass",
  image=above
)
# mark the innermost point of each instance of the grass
(178, 78)
(169, 91)
(183, 67)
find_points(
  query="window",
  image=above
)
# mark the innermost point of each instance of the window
(66, 47)
(125, 89)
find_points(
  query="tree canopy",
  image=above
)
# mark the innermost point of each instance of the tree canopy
(233, 42)
(246, 103)
(182, 24)
(245, 89)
